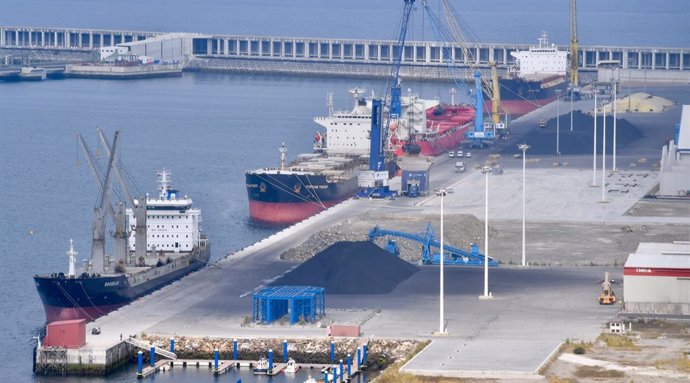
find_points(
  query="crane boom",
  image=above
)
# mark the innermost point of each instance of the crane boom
(573, 44)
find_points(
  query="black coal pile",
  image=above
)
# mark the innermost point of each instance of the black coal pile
(351, 268)
(579, 141)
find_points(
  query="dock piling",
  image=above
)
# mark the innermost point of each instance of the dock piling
(172, 344)
(349, 366)
(341, 370)
(359, 358)
(332, 352)
(153, 355)
(325, 376)
(215, 359)
(140, 364)
(234, 349)
(270, 360)
(364, 353)
(285, 351)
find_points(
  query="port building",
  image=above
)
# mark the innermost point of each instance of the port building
(656, 279)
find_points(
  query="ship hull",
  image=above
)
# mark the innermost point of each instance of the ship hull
(289, 198)
(92, 297)
(521, 96)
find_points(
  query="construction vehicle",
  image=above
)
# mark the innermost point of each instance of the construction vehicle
(607, 296)
(453, 256)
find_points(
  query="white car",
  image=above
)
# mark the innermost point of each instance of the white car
(468, 155)
(459, 153)
(451, 154)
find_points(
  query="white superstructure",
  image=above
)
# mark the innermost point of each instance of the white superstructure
(171, 222)
(347, 132)
(540, 61)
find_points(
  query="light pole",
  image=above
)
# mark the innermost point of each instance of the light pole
(441, 328)
(594, 152)
(603, 160)
(571, 107)
(615, 95)
(486, 170)
(558, 122)
(524, 148)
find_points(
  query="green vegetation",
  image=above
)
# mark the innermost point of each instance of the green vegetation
(597, 373)
(622, 342)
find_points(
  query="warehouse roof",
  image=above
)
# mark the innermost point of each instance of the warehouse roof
(661, 255)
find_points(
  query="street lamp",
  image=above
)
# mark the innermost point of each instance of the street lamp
(594, 152)
(524, 148)
(486, 170)
(558, 122)
(603, 160)
(571, 107)
(615, 94)
(441, 330)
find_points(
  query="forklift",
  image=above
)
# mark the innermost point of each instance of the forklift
(607, 296)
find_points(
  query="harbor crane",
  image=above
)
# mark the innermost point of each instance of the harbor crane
(374, 182)
(574, 80)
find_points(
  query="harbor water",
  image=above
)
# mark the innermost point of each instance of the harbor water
(209, 128)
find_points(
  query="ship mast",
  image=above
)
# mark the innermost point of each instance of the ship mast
(283, 152)
(72, 255)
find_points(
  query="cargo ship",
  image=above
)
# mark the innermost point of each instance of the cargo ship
(433, 127)
(311, 183)
(167, 244)
(534, 79)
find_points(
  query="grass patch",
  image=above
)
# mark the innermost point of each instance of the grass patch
(621, 342)
(682, 364)
(558, 379)
(597, 372)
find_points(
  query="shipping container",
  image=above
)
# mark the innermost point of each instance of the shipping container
(342, 330)
(67, 333)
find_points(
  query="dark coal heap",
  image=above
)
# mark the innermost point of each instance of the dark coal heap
(579, 141)
(351, 268)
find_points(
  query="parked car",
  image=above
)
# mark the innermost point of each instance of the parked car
(468, 155)
(459, 167)
(459, 154)
(451, 154)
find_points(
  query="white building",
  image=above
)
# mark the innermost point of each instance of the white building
(108, 52)
(656, 279)
(675, 160)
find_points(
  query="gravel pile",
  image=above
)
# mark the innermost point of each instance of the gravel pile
(351, 268)
(579, 141)
(460, 230)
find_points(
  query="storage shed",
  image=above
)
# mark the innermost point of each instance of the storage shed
(657, 279)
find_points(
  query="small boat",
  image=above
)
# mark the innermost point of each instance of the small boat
(261, 367)
(310, 380)
(291, 367)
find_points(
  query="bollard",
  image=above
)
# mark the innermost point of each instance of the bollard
(332, 352)
(335, 374)
(270, 360)
(234, 349)
(215, 358)
(325, 376)
(140, 364)
(341, 370)
(153, 356)
(172, 344)
(285, 351)
(364, 354)
(349, 366)
(359, 359)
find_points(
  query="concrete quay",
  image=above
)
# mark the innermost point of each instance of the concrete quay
(510, 337)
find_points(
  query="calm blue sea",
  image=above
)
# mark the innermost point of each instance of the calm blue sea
(209, 128)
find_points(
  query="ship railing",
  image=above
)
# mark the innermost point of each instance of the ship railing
(147, 346)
